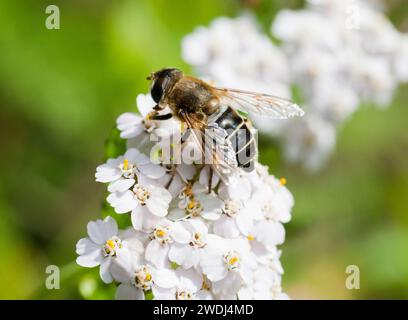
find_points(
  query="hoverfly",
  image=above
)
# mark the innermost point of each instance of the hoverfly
(214, 113)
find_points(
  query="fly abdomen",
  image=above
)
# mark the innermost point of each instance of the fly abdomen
(241, 137)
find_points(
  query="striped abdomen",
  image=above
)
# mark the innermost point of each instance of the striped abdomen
(241, 137)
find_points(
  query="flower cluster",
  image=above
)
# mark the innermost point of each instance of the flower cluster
(192, 234)
(339, 55)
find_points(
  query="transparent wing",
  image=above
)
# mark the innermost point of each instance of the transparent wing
(216, 149)
(260, 104)
(220, 147)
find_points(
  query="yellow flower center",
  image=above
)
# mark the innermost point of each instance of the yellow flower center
(232, 260)
(125, 164)
(183, 295)
(282, 181)
(197, 241)
(143, 279)
(161, 234)
(111, 246)
(194, 207)
(141, 193)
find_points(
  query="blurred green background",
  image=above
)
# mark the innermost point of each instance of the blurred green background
(60, 93)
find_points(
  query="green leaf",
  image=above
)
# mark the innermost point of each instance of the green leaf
(115, 146)
(149, 295)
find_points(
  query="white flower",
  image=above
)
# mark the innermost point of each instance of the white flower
(227, 263)
(202, 204)
(177, 177)
(123, 172)
(274, 203)
(238, 210)
(132, 125)
(188, 287)
(136, 277)
(189, 239)
(328, 44)
(309, 142)
(259, 66)
(165, 234)
(147, 201)
(102, 245)
(188, 254)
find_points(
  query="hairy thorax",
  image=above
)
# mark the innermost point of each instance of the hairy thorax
(194, 97)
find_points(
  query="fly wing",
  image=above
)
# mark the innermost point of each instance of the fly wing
(259, 104)
(214, 146)
(220, 148)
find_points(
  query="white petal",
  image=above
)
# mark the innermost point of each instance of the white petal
(143, 220)
(122, 268)
(269, 233)
(152, 171)
(121, 185)
(179, 233)
(85, 246)
(158, 203)
(128, 292)
(189, 279)
(241, 190)
(226, 227)
(244, 223)
(104, 271)
(210, 215)
(212, 206)
(111, 227)
(213, 266)
(177, 214)
(145, 104)
(163, 294)
(156, 253)
(90, 260)
(96, 232)
(164, 278)
(228, 286)
(123, 202)
(107, 173)
(178, 254)
(204, 295)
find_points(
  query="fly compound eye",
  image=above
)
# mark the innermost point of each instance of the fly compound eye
(157, 90)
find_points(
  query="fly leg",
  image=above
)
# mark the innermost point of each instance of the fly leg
(155, 116)
(210, 177)
(172, 175)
